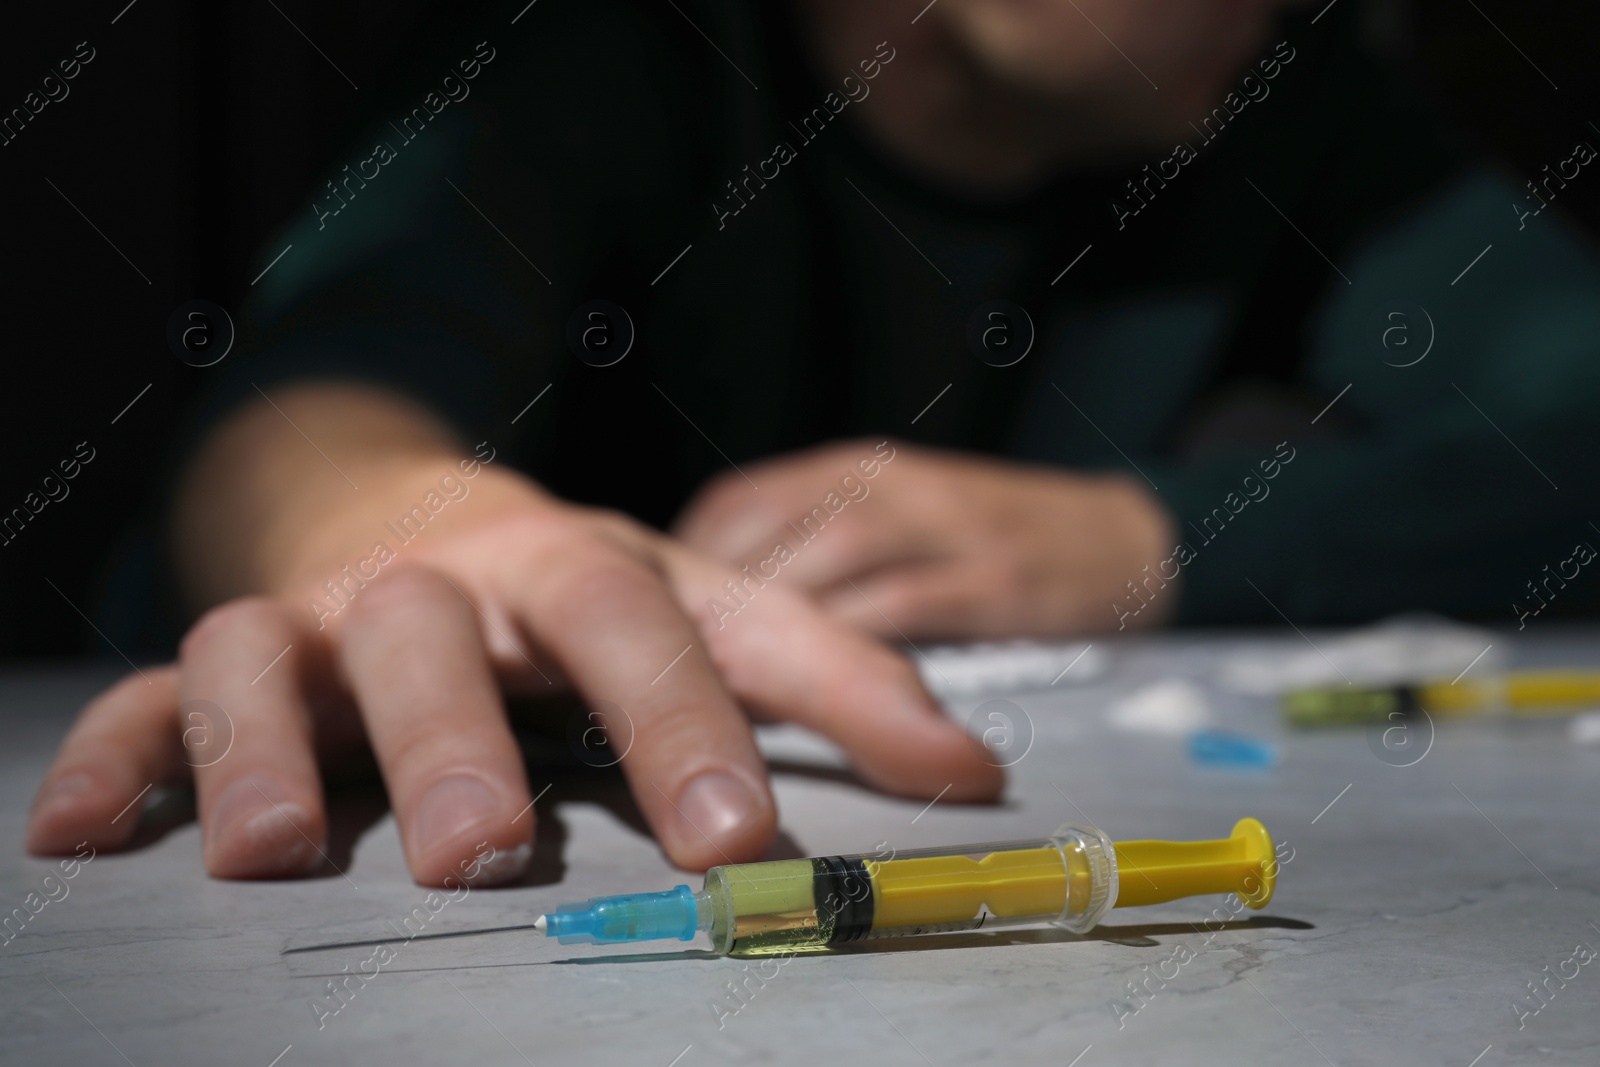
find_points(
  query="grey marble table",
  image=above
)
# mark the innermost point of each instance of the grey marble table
(1419, 903)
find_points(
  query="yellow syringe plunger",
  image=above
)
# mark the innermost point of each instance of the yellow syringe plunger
(1070, 879)
(1152, 872)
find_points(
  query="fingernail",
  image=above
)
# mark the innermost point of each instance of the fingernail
(449, 808)
(506, 865)
(254, 826)
(64, 792)
(713, 805)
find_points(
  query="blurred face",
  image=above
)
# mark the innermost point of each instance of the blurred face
(1146, 67)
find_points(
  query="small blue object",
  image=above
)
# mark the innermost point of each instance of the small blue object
(1218, 748)
(629, 917)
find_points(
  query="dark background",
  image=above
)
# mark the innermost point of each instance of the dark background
(198, 130)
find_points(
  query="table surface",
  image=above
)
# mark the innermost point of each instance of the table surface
(1418, 904)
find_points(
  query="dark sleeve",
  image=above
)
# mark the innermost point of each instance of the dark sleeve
(447, 245)
(1465, 474)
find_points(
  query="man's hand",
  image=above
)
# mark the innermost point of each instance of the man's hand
(938, 544)
(503, 588)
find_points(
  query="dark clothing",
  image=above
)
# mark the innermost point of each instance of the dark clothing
(1217, 300)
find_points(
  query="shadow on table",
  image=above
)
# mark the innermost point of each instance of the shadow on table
(168, 810)
(1142, 935)
(353, 808)
(356, 802)
(845, 776)
(1134, 935)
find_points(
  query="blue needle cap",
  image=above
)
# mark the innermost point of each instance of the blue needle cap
(629, 917)
(1219, 748)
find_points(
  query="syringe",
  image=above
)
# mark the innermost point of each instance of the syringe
(1071, 879)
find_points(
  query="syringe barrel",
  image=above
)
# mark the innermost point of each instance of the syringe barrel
(785, 906)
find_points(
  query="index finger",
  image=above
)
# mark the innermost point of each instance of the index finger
(780, 653)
